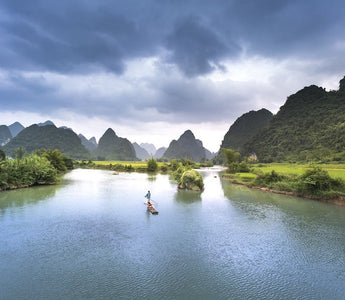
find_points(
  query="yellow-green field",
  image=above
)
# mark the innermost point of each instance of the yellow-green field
(334, 170)
(135, 164)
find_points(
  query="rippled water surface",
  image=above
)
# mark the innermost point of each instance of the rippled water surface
(92, 238)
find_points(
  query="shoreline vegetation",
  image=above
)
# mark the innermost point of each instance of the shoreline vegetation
(321, 182)
(183, 170)
(43, 167)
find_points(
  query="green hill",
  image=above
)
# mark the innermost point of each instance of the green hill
(15, 128)
(245, 127)
(5, 135)
(48, 137)
(140, 152)
(309, 126)
(112, 147)
(90, 144)
(186, 147)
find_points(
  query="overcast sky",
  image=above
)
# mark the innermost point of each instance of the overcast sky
(151, 69)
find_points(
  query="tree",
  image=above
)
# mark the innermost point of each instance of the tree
(152, 165)
(56, 159)
(20, 152)
(2, 155)
(232, 159)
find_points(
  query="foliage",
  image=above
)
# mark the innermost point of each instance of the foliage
(231, 157)
(19, 153)
(56, 159)
(246, 127)
(164, 168)
(48, 137)
(334, 170)
(179, 171)
(317, 180)
(266, 179)
(308, 127)
(243, 167)
(207, 164)
(187, 178)
(137, 166)
(2, 155)
(191, 180)
(29, 171)
(307, 181)
(152, 165)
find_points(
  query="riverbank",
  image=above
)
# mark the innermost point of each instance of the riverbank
(333, 198)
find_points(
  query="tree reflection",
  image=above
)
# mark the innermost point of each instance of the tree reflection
(21, 197)
(186, 196)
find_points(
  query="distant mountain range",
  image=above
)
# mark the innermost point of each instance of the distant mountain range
(8, 132)
(90, 145)
(187, 146)
(150, 148)
(141, 152)
(15, 128)
(112, 147)
(160, 152)
(47, 137)
(309, 126)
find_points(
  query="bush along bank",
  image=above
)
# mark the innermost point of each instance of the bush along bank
(188, 178)
(43, 167)
(314, 183)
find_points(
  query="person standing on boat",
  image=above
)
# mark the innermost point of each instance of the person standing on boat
(148, 196)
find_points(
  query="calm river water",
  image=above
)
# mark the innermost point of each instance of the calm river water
(92, 238)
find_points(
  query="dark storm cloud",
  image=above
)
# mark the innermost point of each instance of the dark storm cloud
(71, 36)
(280, 28)
(195, 37)
(195, 47)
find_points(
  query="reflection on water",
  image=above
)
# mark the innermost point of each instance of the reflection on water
(186, 196)
(92, 238)
(151, 176)
(21, 197)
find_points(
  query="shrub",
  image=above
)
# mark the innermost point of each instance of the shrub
(191, 180)
(152, 165)
(2, 155)
(57, 159)
(164, 168)
(243, 167)
(317, 180)
(31, 170)
(266, 179)
(179, 171)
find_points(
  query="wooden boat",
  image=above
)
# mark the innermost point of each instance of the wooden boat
(152, 209)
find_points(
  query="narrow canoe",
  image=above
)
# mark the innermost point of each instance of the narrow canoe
(152, 209)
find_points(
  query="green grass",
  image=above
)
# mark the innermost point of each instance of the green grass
(293, 178)
(112, 162)
(334, 170)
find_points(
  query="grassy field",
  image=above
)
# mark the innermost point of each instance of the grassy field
(334, 170)
(135, 164)
(112, 162)
(314, 184)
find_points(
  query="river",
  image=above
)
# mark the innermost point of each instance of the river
(91, 237)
